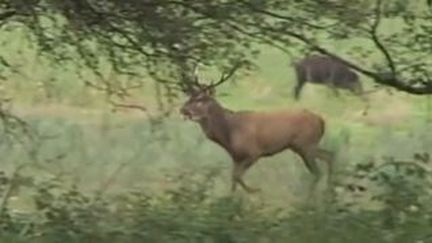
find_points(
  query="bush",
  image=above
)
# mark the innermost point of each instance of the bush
(191, 213)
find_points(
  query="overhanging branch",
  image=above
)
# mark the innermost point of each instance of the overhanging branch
(374, 36)
(284, 17)
(419, 87)
(6, 15)
(392, 81)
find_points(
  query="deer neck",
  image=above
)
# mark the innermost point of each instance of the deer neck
(218, 125)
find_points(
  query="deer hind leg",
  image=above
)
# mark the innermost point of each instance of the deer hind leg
(301, 80)
(298, 88)
(335, 91)
(328, 157)
(334, 88)
(331, 81)
(239, 169)
(309, 158)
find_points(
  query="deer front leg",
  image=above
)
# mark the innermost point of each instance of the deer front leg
(239, 169)
(334, 88)
(367, 106)
(298, 88)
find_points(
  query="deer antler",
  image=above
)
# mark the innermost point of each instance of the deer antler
(195, 73)
(195, 85)
(191, 83)
(225, 75)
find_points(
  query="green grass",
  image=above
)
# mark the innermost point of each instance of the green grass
(126, 153)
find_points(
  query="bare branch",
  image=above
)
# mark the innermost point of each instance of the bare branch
(285, 18)
(374, 35)
(226, 75)
(195, 72)
(10, 187)
(13, 126)
(127, 106)
(111, 178)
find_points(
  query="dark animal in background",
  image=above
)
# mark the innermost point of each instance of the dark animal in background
(326, 71)
(248, 136)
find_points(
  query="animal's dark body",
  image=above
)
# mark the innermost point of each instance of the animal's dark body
(326, 71)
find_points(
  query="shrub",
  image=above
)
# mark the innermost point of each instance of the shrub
(190, 212)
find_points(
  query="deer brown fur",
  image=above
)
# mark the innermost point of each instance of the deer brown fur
(248, 136)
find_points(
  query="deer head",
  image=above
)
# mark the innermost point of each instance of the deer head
(201, 96)
(352, 83)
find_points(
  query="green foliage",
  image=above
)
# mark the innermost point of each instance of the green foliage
(190, 213)
(163, 39)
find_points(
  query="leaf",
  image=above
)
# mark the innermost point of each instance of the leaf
(4, 62)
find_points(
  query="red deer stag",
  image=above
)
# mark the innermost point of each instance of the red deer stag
(248, 136)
